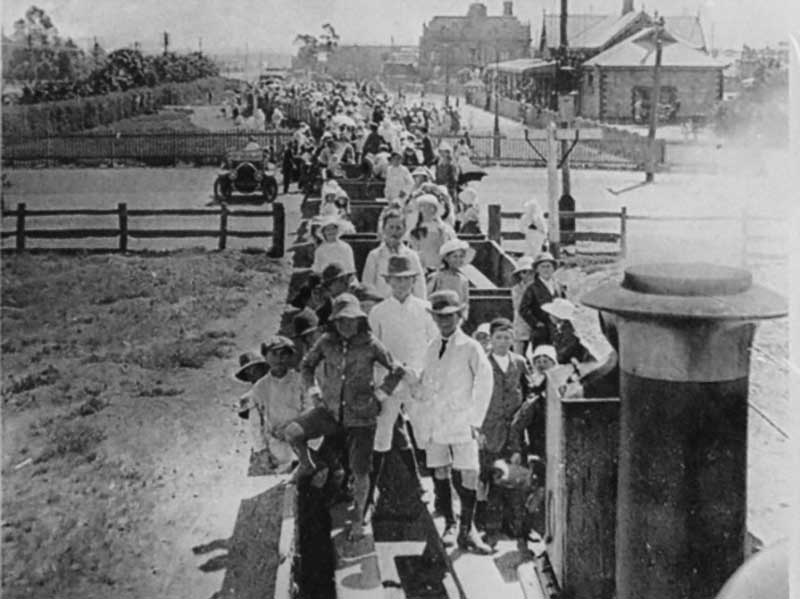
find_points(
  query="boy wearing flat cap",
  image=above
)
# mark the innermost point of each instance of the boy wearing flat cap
(455, 387)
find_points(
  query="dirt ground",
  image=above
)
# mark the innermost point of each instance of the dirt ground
(124, 464)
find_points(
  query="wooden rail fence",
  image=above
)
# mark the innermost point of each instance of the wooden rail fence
(745, 222)
(123, 231)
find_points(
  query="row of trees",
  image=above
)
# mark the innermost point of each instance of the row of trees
(56, 69)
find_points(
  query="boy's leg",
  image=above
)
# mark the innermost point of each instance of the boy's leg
(439, 460)
(466, 460)
(360, 441)
(316, 422)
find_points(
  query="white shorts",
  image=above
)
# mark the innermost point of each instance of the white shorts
(461, 456)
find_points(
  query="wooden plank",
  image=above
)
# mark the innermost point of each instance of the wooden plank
(512, 235)
(477, 278)
(250, 234)
(64, 212)
(596, 236)
(70, 233)
(283, 574)
(567, 134)
(175, 212)
(154, 233)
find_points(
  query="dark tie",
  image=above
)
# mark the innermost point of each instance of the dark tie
(443, 347)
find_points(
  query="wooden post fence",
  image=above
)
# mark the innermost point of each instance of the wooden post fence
(21, 226)
(123, 232)
(623, 232)
(123, 226)
(495, 223)
(223, 226)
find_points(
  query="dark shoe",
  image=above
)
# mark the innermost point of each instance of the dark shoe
(469, 540)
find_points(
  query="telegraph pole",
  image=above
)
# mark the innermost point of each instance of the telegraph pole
(200, 45)
(496, 106)
(166, 43)
(651, 134)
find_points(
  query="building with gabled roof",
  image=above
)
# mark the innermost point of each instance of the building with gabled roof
(616, 84)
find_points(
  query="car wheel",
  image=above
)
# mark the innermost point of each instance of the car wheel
(270, 188)
(222, 189)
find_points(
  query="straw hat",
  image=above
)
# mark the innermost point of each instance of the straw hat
(326, 221)
(430, 199)
(251, 368)
(544, 257)
(454, 245)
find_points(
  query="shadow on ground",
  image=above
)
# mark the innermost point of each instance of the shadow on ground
(251, 556)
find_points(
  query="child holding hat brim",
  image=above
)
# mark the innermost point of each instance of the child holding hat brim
(454, 254)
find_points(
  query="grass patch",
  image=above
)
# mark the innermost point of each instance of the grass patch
(70, 439)
(189, 352)
(48, 376)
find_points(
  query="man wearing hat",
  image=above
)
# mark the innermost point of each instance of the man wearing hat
(454, 389)
(404, 325)
(542, 290)
(347, 397)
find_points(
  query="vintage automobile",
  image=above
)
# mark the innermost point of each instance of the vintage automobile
(246, 171)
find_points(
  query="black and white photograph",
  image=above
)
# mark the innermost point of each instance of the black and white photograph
(433, 299)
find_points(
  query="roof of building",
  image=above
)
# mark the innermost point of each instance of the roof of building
(628, 53)
(521, 65)
(603, 32)
(592, 31)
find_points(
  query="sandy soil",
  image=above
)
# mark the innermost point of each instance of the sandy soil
(124, 465)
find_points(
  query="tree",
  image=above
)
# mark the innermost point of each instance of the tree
(313, 46)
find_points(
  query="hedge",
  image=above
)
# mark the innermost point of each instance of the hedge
(80, 114)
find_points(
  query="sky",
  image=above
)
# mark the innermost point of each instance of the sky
(273, 24)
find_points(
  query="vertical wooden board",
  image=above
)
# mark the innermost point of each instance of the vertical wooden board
(283, 575)
(591, 434)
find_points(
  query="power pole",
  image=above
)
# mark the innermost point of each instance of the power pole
(200, 45)
(496, 106)
(447, 76)
(651, 134)
(166, 43)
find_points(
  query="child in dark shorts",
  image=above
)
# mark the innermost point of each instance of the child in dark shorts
(346, 398)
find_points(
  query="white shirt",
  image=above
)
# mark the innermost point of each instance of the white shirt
(455, 389)
(405, 328)
(502, 361)
(337, 251)
(377, 263)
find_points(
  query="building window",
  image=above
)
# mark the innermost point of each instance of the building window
(590, 82)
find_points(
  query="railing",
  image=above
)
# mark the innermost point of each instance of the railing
(745, 222)
(618, 239)
(151, 148)
(22, 233)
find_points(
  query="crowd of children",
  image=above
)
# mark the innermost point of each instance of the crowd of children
(362, 367)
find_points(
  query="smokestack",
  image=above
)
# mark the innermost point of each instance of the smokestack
(508, 9)
(627, 6)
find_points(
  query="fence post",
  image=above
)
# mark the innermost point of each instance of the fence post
(223, 226)
(21, 226)
(623, 232)
(495, 223)
(278, 231)
(122, 209)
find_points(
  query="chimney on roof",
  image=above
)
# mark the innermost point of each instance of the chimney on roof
(508, 9)
(627, 6)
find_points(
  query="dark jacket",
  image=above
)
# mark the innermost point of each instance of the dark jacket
(428, 157)
(530, 309)
(347, 377)
(372, 145)
(510, 389)
(568, 345)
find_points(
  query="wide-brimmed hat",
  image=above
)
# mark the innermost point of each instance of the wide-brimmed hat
(483, 329)
(276, 343)
(251, 368)
(346, 305)
(304, 322)
(446, 301)
(547, 351)
(544, 257)
(523, 264)
(560, 308)
(400, 266)
(454, 245)
(334, 270)
(326, 221)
